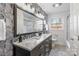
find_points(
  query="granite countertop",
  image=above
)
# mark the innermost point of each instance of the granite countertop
(31, 43)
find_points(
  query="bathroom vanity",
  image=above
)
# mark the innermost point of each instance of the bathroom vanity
(35, 46)
(29, 23)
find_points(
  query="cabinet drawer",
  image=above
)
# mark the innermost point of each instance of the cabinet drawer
(36, 51)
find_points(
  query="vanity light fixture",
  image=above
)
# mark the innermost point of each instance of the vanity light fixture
(29, 7)
(57, 4)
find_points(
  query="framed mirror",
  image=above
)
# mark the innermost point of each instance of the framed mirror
(25, 22)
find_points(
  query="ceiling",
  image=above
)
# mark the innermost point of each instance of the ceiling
(49, 9)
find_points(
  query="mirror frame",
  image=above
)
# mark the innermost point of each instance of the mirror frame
(15, 21)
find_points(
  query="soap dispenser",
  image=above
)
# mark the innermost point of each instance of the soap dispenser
(20, 38)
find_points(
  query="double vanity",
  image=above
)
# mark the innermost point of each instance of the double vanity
(26, 23)
(35, 46)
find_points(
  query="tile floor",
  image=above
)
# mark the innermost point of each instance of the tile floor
(65, 51)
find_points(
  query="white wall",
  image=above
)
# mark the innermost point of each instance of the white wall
(74, 8)
(74, 16)
(60, 33)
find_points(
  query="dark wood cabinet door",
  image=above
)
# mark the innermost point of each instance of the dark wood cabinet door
(42, 49)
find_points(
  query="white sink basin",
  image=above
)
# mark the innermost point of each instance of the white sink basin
(36, 38)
